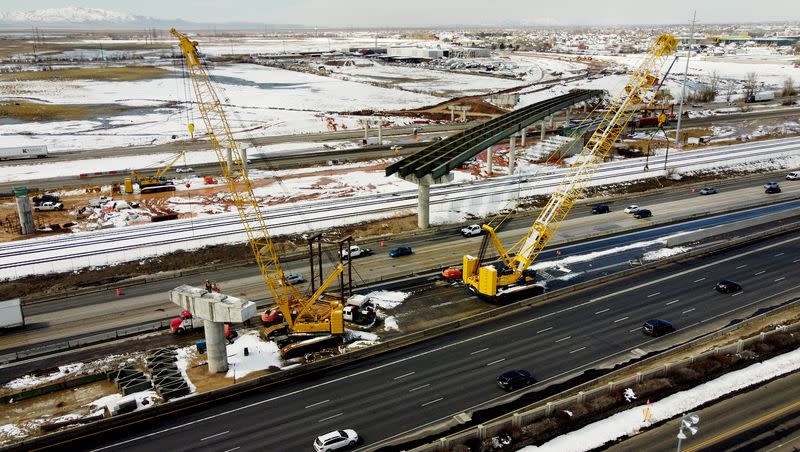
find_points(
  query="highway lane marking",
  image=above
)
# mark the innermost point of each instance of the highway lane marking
(671, 302)
(330, 417)
(760, 273)
(419, 387)
(577, 350)
(564, 339)
(780, 279)
(687, 311)
(404, 375)
(495, 362)
(479, 351)
(474, 338)
(546, 329)
(779, 254)
(741, 266)
(654, 294)
(214, 436)
(698, 280)
(635, 329)
(796, 261)
(744, 426)
(790, 441)
(604, 310)
(619, 320)
(318, 403)
(433, 401)
(235, 448)
(736, 294)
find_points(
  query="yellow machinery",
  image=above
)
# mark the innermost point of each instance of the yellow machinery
(319, 313)
(157, 182)
(512, 274)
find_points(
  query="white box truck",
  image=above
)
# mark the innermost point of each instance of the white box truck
(23, 152)
(11, 314)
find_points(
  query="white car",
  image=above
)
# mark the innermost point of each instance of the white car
(793, 176)
(472, 230)
(336, 440)
(631, 208)
(184, 169)
(48, 206)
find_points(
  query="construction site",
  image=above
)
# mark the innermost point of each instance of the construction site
(491, 248)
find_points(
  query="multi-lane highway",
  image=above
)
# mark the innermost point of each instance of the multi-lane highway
(408, 389)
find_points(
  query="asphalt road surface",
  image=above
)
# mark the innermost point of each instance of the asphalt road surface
(408, 389)
(765, 418)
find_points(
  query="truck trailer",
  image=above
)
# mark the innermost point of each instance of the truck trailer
(23, 152)
(11, 315)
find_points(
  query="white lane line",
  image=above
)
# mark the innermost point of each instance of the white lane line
(780, 279)
(619, 320)
(419, 387)
(564, 338)
(779, 254)
(653, 294)
(741, 266)
(404, 375)
(604, 310)
(433, 401)
(546, 329)
(318, 403)
(497, 361)
(796, 261)
(635, 329)
(235, 448)
(478, 351)
(760, 273)
(493, 332)
(214, 436)
(330, 417)
(687, 311)
(698, 280)
(672, 302)
(737, 294)
(577, 350)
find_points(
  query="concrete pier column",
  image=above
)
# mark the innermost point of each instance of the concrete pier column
(566, 121)
(243, 155)
(229, 158)
(543, 128)
(380, 133)
(552, 120)
(215, 343)
(452, 115)
(522, 139)
(366, 130)
(423, 205)
(511, 151)
(489, 158)
(24, 210)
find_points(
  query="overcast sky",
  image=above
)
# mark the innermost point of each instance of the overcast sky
(421, 13)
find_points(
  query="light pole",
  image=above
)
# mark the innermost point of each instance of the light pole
(683, 85)
(688, 421)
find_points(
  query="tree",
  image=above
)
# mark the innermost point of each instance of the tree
(789, 91)
(751, 85)
(730, 91)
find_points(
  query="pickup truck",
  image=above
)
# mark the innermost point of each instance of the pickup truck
(472, 230)
(355, 251)
(48, 206)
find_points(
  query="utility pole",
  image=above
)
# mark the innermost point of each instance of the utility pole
(683, 88)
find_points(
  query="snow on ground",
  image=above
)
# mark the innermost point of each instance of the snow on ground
(387, 299)
(12, 430)
(29, 381)
(390, 324)
(144, 399)
(184, 359)
(561, 264)
(664, 253)
(261, 355)
(631, 422)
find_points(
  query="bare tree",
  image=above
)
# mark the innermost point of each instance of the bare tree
(751, 85)
(713, 84)
(730, 90)
(789, 91)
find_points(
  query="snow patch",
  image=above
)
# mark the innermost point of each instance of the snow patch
(261, 355)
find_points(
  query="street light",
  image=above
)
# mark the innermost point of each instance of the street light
(688, 421)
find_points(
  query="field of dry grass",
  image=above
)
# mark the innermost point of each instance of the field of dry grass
(34, 111)
(115, 74)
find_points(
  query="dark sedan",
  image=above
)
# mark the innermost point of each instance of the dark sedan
(515, 379)
(642, 213)
(728, 286)
(400, 251)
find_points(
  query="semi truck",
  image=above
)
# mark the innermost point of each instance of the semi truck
(762, 97)
(11, 315)
(23, 152)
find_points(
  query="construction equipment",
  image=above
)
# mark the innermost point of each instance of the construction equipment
(320, 314)
(157, 183)
(512, 274)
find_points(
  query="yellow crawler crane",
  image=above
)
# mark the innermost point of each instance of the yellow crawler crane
(156, 183)
(512, 275)
(318, 314)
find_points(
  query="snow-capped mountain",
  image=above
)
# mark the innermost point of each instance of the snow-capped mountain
(68, 15)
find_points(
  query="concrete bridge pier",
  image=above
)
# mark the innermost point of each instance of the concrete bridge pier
(215, 343)
(522, 139)
(380, 133)
(423, 205)
(511, 151)
(543, 128)
(489, 158)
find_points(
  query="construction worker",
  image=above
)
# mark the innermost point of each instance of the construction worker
(215, 287)
(209, 287)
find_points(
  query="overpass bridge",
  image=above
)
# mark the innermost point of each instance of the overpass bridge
(433, 164)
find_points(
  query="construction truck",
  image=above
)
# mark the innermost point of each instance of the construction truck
(157, 182)
(360, 310)
(306, 321)
(512, 274)
(11, 315)
(186, 323)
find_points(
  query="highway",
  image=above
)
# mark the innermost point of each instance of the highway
(765, 418)
(409, 389)
(92, 313)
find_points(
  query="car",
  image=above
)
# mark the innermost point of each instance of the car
(336, 440)
(515, 379)
(794, 175)
(49, 205)
(451, 273)
(294, 278)
(631, 208)
(770, 184)
(727, 286)
(184, 169)
(773, 189)
(400, 251)
(416, 130)
(600, 208)
(472, 230)
(642, 213)
(708, 191)
(657, 327)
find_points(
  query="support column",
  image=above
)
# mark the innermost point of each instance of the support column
(566, 121)
(366, 130)
(552, 120)
(522, 140)
(380, 133)
(489, 158)
(24, 210)
(512, 145)
(543, 128)
(229, 158)
(243, 155)
(452, 115)
(215, 343)
(423, 205)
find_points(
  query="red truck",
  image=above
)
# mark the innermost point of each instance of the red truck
(186, 323)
